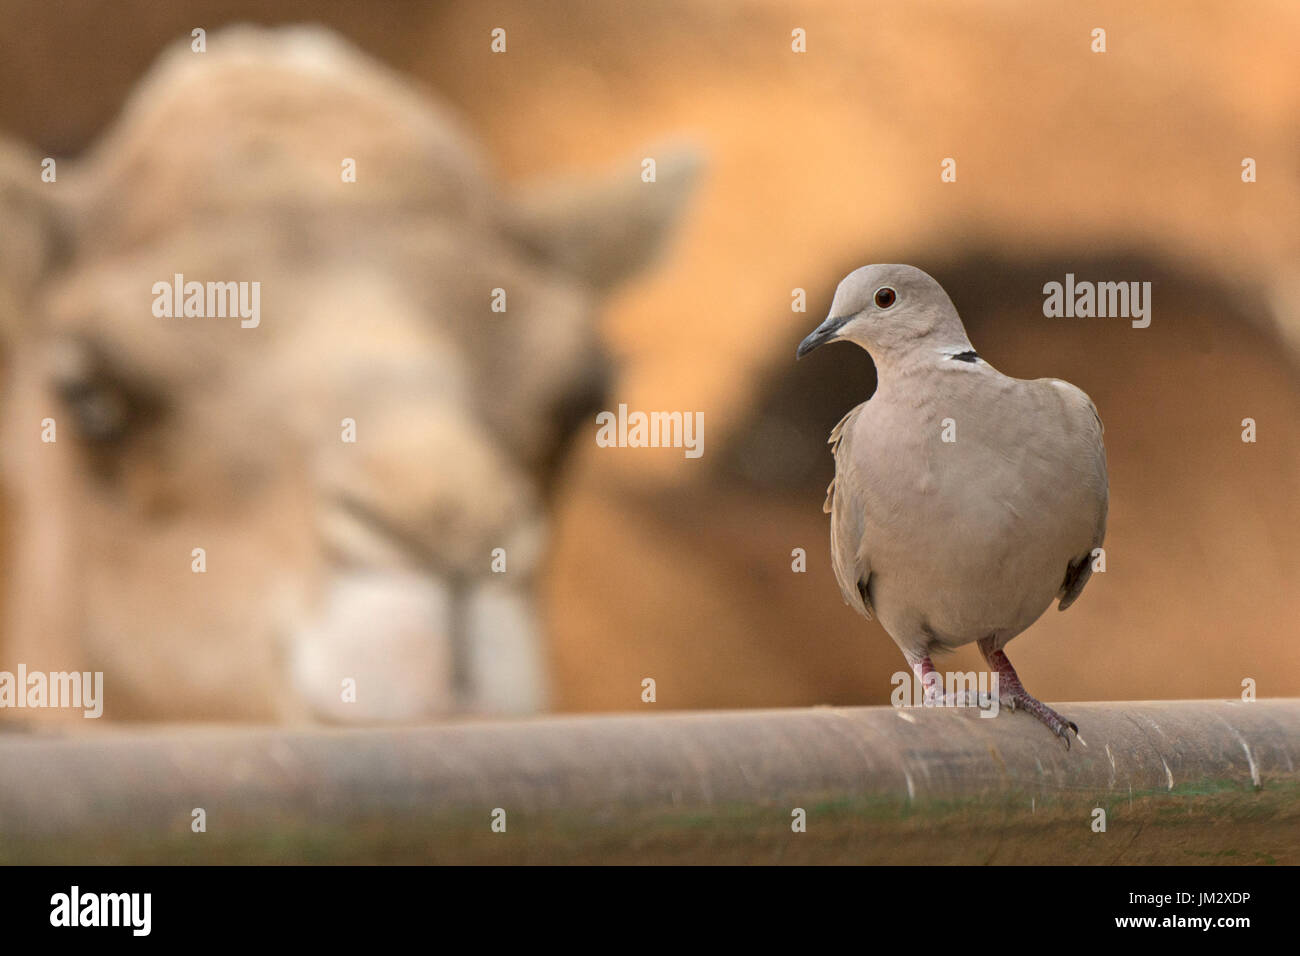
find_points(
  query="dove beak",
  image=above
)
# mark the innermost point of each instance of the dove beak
(822, 334)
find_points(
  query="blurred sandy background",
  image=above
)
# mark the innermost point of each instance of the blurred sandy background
(1122, 166)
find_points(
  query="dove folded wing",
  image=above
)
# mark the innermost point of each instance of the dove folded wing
(1079, 570)
(848, 547)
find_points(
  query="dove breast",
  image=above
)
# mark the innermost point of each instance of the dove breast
(971, 495)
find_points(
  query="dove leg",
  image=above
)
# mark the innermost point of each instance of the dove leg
(923, 667)
(935, 696)
(1012, 693)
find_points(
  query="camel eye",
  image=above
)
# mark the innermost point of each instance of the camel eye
(100, 412)
(885, 297)
(104, 405)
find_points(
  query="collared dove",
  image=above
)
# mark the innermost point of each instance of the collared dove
(964, 501)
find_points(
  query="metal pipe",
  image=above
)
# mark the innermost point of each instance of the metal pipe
(1178, 781)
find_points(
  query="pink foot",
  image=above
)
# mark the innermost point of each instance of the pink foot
(1012, 694)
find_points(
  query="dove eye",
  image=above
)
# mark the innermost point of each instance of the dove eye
(885, 297)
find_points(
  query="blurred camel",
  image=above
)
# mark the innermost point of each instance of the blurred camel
(366, 470)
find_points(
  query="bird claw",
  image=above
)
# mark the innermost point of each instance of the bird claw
(1048, 717)
(1012, 697)
(1054, 722)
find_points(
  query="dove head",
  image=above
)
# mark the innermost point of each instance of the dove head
(892, 311)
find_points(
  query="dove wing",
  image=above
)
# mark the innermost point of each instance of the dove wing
(849, 556)
(1079, 570)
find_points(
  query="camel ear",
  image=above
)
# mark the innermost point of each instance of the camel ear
(605, 231)
(32, 236)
